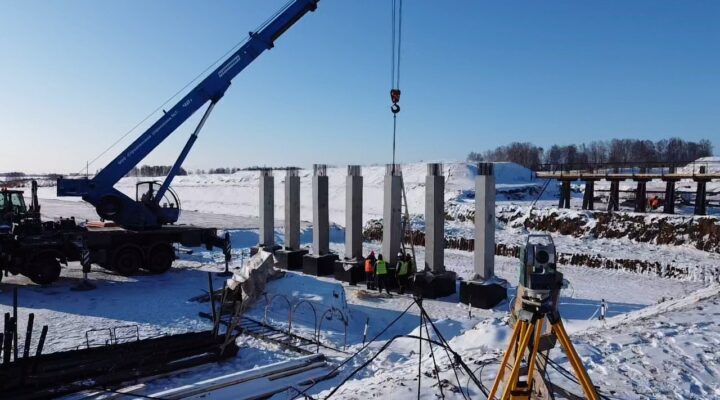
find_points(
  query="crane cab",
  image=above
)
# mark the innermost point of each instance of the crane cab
(12, 206)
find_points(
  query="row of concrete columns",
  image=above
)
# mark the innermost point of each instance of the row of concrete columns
(433, 280)
(640, 195)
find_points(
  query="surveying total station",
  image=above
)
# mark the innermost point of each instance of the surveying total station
(537, 298)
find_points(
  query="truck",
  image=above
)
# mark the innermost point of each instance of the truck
(133, 233)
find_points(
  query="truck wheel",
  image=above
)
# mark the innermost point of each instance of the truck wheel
(127, 260)
(44, 270)
(160, 258)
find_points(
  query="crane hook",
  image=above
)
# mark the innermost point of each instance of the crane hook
(395, 98)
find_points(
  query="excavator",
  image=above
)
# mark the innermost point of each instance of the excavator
(138, 232)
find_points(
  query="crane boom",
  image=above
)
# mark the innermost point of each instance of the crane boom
(114, 205)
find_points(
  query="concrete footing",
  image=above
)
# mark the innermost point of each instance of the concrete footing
(485, 295)
(350, 271)
(290, 259)
(429, 285)
(319, 265)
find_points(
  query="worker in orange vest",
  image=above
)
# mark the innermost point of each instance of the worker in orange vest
(370, 271)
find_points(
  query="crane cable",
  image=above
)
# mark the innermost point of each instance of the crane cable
(395, 69)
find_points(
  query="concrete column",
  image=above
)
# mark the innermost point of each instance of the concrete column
(484, 289)
(435, 219)
(641, 196)
(669, 202)
(589, 195)
(701, 197)
(321, 216)
(565, 194)
(267, 208)
(614, 201)
(392, 204)
(292, 210)
(701, 192)
(353, 212)
(485, 222)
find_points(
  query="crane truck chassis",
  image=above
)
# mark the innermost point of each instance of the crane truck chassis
(37, 249)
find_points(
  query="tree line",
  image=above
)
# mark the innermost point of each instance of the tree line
(615, 151)
(154, 170)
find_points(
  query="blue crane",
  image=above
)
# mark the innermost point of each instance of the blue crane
(155, 203)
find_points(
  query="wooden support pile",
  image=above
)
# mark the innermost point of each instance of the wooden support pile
(9, 337)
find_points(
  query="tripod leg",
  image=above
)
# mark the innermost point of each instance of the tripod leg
(587, 385)
(506, 357)
(533, 352)
(528, 329)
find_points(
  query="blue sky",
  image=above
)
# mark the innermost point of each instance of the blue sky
(78, 74)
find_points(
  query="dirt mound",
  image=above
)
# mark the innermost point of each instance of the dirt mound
(703, 233)
(373, 232)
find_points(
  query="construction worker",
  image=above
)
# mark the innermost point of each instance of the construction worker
(370, 271)
(655, 202)
(403, 273)
(381, 273)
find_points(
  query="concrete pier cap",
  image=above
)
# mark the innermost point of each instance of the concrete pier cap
(484, 289)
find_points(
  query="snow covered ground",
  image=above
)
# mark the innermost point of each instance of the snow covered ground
(618, 354)
(659, 341)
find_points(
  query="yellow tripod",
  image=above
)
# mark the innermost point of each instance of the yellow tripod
(528, 328)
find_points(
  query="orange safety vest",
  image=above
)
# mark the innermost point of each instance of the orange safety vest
(368, 266)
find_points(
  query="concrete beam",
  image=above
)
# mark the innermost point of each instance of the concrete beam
(392, 206)
(435, 219)
(485, 222)
(267, 208)
(292, 210)
(353, 212)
